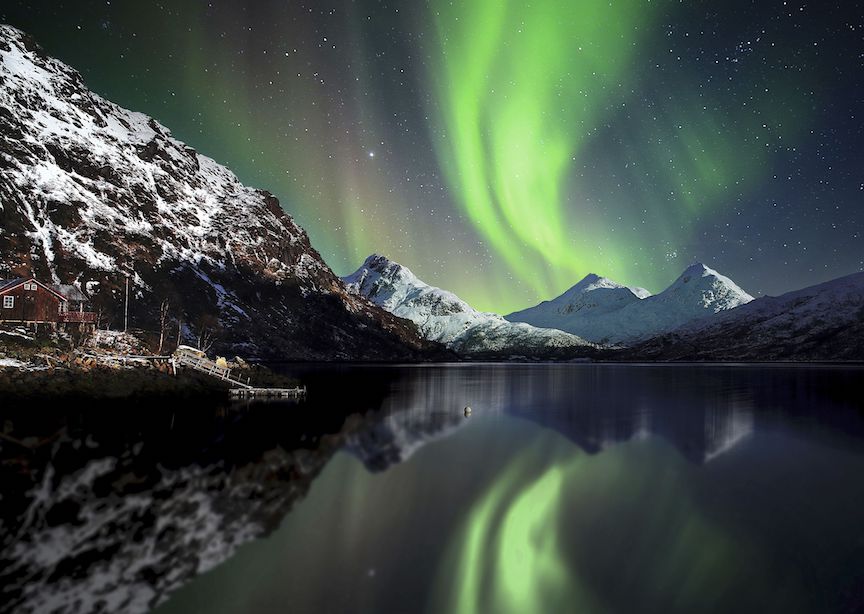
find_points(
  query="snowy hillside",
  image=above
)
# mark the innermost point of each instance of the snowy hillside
(603, 311)
(91, 192)
(821, 322)
(442, 316)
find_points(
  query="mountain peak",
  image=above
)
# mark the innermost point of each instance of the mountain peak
(382, 266)
(592, 282)
(383, 281)
(713, 291)
(377, 262)
(699, 269)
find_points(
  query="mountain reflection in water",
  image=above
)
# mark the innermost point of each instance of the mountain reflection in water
(570, 488)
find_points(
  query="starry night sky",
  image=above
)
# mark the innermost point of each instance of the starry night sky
(504, 149)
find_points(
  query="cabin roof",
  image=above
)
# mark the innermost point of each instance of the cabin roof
(11, 284)
(69, 291)
(6, 283)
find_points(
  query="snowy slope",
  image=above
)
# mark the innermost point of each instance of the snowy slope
(592, 297)
(821, 322)
(91, 192)
(443, 317)
(76, 148)
(603, 311)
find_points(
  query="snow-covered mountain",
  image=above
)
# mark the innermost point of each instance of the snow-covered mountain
(91, 192)
(821, 322)
(592, 297)
(603, 311)
(443, 317)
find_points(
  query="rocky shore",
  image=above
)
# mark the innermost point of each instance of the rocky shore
(106, 365)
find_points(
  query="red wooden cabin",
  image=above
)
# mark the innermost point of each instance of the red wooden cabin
(27, 300)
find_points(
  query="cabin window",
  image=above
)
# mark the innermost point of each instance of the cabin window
(8, 302)
(29, 286)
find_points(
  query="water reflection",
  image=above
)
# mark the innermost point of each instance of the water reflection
(109, 507)
(113, 508)
(703, 411)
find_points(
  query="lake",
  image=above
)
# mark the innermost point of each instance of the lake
(568, 488)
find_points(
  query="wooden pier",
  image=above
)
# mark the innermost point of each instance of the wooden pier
(251, 393)
(197, 360)
(193, 358)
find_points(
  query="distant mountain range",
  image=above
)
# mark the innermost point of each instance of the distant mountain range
(703, 315)
(595, 312)
(601, 310)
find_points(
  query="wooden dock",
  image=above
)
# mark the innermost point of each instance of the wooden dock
(183, 357)
(195, 359)
(250, 393)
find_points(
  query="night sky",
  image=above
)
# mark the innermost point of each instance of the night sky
(504, 149)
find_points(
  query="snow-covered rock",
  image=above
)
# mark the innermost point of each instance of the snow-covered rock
(821, 322)
(443, 317)
(603, 311)
(11, 363)
(91, 192)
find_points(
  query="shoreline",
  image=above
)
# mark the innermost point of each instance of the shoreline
(108, 365)
(118, 366)
(104, 383)
(100, 381)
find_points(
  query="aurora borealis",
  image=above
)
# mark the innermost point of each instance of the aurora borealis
(504, 149)
(520, 92)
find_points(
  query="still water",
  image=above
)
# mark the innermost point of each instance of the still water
(568, 488)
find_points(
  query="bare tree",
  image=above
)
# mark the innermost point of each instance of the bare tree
(163, 324)
(205, 339)
(209, 328)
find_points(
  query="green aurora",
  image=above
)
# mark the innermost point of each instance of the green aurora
(523, 95)
(521, 92)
